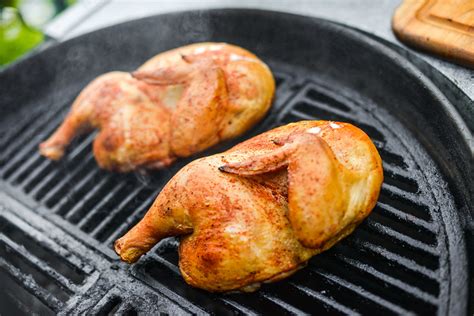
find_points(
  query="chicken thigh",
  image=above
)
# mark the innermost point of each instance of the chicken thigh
(259, 211)
(178, 103)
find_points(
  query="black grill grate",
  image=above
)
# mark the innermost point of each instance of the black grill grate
(393, 263)
(48, 273)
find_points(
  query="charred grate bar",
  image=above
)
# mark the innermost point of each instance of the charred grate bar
(48, 274)
(58, 220)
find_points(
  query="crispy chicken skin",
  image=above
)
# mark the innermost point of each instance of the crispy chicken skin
(259, 211)
(178, 103)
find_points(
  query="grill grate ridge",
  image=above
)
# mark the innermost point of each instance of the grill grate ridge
(375, 283)
(85, 198)
(403, 227)
(31, 285)
(135, 216)
(71, 271)
(400, 200)
(100, 231)
(17, 300)
(400, 181)
(355, 290)
(422, 284)
(394, 259)
(326, 290)
(45, 185)
(10, 135)
(63, 285)
(95, 215)
(391, 159)
(330, 102)
(26, 142)
(56, 193)
(49, 275)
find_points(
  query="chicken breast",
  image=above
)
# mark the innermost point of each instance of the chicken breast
(259, 211)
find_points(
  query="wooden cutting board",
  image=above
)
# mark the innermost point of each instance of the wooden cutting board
(443, 27)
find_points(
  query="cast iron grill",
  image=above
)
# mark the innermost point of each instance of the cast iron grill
(396, 248)
(56, 246)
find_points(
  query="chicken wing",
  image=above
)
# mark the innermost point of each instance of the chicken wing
(176, 104)
(259, 211)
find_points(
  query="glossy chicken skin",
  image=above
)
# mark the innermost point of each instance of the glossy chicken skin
(258, 212)
(176, 104)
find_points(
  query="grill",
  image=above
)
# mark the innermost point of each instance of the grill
(58, 221)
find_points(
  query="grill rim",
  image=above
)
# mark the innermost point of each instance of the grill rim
(455, 241)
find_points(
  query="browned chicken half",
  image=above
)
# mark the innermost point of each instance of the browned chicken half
(259, 211)
(176, 104)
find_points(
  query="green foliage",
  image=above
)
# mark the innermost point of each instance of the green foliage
(16, 38)
(9, 3)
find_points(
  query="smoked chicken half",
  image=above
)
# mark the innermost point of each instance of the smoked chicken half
(259, 211)
(178, 103)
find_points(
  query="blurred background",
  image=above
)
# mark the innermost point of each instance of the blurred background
(22, 23)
